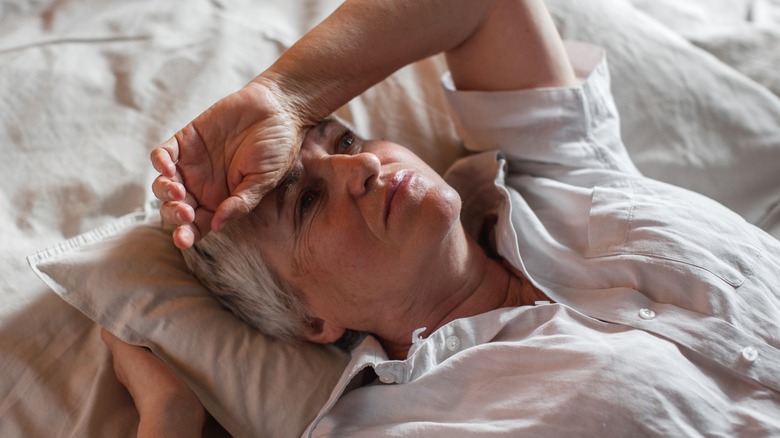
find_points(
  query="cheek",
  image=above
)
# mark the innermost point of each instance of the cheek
(331, 254)
(439, 213)
(347, 251)
(351, 264)
(449, 201)
(335, 284)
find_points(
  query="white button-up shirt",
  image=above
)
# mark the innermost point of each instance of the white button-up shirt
(667, 304)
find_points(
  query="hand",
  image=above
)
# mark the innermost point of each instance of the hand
(221, 164)
(166, 405)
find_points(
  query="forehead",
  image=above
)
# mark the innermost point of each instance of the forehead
(272, 221)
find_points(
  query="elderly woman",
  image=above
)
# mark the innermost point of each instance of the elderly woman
(544, 286)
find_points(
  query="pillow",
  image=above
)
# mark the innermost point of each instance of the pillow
(128, 277)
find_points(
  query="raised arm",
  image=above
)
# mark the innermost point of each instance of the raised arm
(221, 164)
(490, 45)
(516, 47)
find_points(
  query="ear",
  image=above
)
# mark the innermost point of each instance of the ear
(323, 332)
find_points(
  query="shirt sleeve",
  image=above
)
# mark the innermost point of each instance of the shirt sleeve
(577, 127)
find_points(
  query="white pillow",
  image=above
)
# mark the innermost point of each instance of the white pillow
(128, 277)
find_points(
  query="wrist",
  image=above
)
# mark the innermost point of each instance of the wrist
(291, 101)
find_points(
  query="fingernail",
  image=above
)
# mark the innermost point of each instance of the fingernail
(179, 217)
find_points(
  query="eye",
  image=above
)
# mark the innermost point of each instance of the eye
(308, 198)
(346, 143)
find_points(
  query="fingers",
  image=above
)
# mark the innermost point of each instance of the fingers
(116, 345)
(186, 235)
(168, 189)
(181, 209)
(165, 156)
(178, 208)
(108, 338)
(177, 213)
(120, 350)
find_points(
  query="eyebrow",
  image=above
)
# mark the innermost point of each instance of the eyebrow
(284, 188)
(294, 175)
(323, 126)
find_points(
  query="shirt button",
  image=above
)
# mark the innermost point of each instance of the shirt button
(387, 377)
(452, 343)
(750, 354)
(646, 314)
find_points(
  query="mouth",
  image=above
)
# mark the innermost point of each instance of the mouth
(399, 181)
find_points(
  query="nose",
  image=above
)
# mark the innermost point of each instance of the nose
(358, 172)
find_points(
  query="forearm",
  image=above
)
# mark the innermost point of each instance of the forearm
(490, 45)
(363, 42)
(171, 416)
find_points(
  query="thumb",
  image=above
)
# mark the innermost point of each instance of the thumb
(244, 199)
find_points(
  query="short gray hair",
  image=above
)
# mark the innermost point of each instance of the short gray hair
(229, 264)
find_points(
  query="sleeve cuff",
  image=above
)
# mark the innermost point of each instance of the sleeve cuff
(488, 120)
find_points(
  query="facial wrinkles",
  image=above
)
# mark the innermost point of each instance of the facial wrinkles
(284, 189)
(305, 236)
(279, 232)
(293, 177)
(315, 162)
(303, 259)
(331, 214)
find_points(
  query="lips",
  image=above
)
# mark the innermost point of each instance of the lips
(398, 181)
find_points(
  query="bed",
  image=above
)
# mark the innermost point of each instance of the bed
(89, 87)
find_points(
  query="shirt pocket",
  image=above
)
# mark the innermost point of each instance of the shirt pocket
(652, 219)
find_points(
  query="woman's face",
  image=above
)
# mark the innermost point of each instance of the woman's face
(364, 229)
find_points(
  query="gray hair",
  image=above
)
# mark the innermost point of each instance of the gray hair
(229, 264)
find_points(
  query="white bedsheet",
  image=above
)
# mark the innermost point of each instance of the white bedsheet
(89, 87)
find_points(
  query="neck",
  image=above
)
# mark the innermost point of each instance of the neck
(484, 284)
